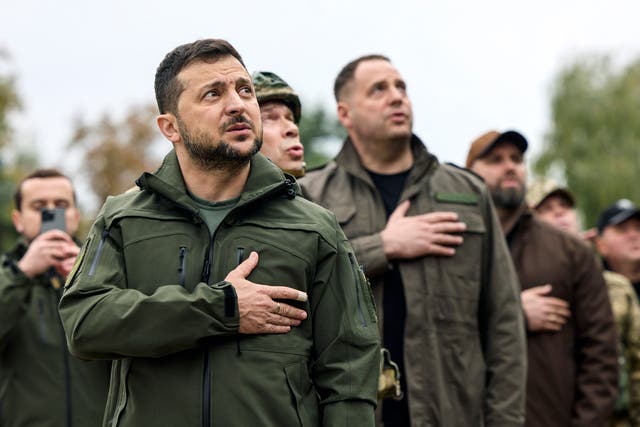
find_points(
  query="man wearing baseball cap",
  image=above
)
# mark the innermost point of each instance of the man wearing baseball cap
(571, 337)
(618, 240)
(280, 111)
(557, 206)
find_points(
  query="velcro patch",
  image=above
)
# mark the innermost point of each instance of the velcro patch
(459, 198)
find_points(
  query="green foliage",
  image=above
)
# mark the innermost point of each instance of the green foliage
(317, 128)
(595, 135)
(9, 102)
(116, 152)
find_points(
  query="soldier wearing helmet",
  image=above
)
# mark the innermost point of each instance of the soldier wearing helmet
(280, 111)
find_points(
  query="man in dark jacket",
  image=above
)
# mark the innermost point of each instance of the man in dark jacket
(41, 384)
(176, 280)
(429, 240)
(571, 336)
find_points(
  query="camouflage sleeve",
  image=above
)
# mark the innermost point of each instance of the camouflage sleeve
(633, 358)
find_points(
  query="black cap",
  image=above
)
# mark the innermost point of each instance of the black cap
(617, 213)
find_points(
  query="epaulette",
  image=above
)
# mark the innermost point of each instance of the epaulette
(465, 170)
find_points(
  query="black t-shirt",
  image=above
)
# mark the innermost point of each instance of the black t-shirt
(394, 413)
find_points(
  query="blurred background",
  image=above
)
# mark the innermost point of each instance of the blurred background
(76, 81)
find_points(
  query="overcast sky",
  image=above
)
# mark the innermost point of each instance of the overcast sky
(470, 65)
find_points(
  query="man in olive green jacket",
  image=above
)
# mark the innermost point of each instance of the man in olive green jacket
(41, 384)
(431, 244)
(175, 279)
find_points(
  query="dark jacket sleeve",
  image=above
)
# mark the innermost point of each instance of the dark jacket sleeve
(104, 319)
(502, 326)
(15, 289)
(347, 343)
(596, 341)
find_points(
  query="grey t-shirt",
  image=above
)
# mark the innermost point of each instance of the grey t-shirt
(214, 212)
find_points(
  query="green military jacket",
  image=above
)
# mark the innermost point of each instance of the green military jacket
(41, 384)
(149, 291)
(464, 342)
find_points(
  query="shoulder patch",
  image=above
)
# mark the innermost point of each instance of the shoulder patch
(459, 198)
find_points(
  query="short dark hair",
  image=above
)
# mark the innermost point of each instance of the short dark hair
(167, 86)
(39, 173)
(346, 74)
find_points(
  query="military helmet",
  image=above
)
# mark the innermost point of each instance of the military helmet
(270, 87)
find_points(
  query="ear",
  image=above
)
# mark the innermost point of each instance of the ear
(344, 115)
(16, 218)
(601, 247)
(168, 125)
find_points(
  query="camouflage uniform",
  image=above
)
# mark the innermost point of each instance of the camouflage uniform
(626, 310)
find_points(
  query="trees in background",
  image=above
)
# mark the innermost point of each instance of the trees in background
(9, 103)
(115, 152)
(594, 138)
(320, 133)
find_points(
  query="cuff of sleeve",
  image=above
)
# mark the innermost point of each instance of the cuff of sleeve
(349, 413)
(230, 301)
(14, 273)
(370, 252)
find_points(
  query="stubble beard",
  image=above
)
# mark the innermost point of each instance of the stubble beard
(508, 198)
(210, 156)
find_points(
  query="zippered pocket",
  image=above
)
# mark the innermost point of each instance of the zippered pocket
(94, 263)
(182, 265)
(356, 279)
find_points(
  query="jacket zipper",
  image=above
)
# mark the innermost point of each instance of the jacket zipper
(41, 320)
(182, 265)
(239, 259)
(206, 379)
(94, 263)
(206, 275)
(354, 269)
(239, 256)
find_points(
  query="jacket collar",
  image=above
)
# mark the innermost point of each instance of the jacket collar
(264, 177)
(515, 221)
(423, 163)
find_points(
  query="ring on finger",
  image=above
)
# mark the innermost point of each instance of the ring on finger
(277, 308)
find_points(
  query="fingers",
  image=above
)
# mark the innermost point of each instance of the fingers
(538, 290)
(54, 235)
(244, 268)
(283, 292)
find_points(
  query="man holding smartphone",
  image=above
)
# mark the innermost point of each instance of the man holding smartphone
(40, 382)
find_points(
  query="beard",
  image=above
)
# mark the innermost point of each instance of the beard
(508, 198)
(209, 156)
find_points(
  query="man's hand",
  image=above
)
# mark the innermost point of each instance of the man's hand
(544, 313)
(407, 237)
(54, 248)
(260, 313)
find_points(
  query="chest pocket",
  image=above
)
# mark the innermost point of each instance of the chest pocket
(467, 261)
(159, 253)
(280, 263)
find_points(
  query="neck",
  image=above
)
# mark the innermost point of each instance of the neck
(384, 157)
(214, 185)
(507, 217)
(630, 270)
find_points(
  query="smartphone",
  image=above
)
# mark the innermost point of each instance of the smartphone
(53, 219)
